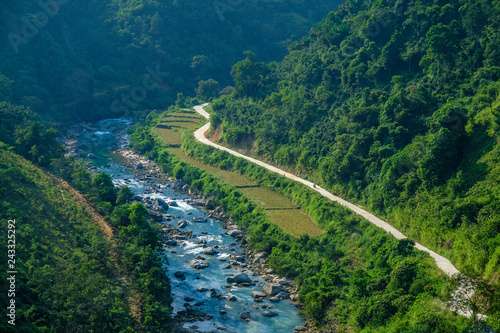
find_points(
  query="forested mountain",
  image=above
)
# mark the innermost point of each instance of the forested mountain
(393, 104)
(94, 59)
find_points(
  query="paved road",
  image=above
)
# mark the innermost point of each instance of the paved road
(444, 264)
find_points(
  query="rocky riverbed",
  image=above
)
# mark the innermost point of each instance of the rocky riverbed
(218, 283)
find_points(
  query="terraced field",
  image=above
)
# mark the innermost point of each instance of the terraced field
(280, 210)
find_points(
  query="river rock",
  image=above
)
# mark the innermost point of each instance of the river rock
(272, 288)
(171, 243)
(240, 278)
(196, 313)
(269, 314)
(188, 299)
(210, 251)
(160, 204)
(199, 219)
(180, 237)
(258, 294)
(199, 263)
(180, 275)
(174, 204)
(239, 258)
(282, 295)
(234, 233)
(138, 166)
(233, 298)
(91, 156)
(245, 316)
(300, 329)
(178, 184)
(182, 224)
(202, 289)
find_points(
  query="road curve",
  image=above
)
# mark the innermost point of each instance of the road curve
(442, 263)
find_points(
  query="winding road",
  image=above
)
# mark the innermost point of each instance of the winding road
(442, 263)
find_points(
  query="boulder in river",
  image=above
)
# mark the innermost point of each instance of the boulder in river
(234, 233)
(198, 263)
(178, 184)
(272, 288)
(180, 275)
(245, 315)
(199, 219)
(91, 156)
(196, 313)
(182, 224)
(282, 295)
(300, 329)
(210, 251)
(174, 204)
(138, 166)
(240, 278)
(258, 294)
(239, 258)
(269, 314)
(160, 204)
(171, 243)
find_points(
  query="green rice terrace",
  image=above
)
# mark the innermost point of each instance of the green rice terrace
(279, 209)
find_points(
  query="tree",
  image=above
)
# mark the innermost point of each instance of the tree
(103, 187)
(248, 74)
(473, 298)
(125, 195)
(207, 89)
(38, 143)
(5, 88)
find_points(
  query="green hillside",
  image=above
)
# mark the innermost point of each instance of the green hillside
(70, 276)
(394, 105)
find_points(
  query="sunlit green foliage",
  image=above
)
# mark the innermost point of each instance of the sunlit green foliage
(393, 104)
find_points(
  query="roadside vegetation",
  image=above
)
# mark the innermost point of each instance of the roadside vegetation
(178, 123)
(352, 277)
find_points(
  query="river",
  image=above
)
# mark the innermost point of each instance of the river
(200, 290)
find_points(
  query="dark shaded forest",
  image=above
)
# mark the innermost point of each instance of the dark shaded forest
(72, 60)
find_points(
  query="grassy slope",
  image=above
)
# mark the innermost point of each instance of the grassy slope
(66, 279)
(281, 211)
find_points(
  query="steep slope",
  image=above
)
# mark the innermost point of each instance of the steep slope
(71, 274)
(392, 104)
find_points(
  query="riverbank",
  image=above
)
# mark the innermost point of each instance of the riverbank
(245, 267)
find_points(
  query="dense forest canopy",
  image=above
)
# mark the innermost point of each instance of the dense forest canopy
(393, 104)
(94, 59)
